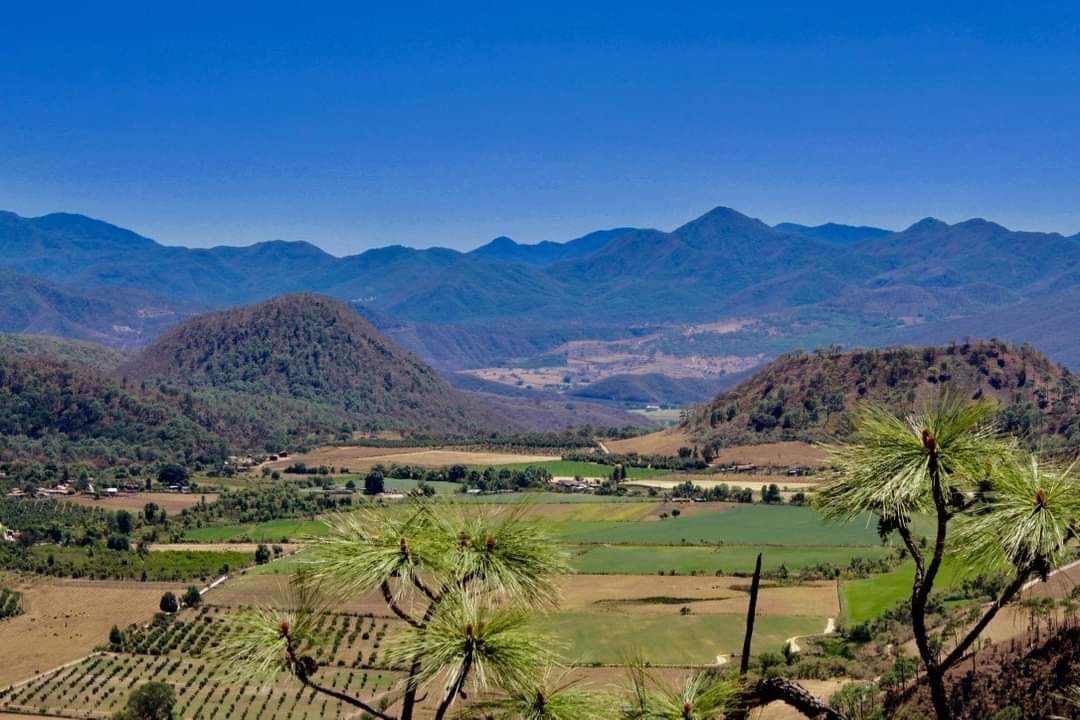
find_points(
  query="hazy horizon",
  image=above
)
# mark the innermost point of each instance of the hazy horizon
(362, 127)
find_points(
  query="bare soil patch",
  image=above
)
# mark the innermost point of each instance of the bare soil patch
(172, 503)
(66, 619)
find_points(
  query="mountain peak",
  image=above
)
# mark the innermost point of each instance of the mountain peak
(927, 223)
(723, 220)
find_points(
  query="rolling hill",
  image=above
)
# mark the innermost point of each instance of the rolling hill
(315, 350)
(803, 396)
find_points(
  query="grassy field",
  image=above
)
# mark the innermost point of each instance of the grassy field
(868, 598)
(649, 560)
(611, 638)
(270, 531)
(741, 525)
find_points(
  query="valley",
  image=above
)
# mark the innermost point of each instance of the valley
(635, 473)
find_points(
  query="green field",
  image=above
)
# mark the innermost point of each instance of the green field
(865, 599)
(730, 559)
(570, 468)
(99, 563)
(270, 531)
(406, 485)
(739, 525)
(612, 638)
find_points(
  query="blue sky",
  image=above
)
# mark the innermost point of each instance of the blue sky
(358, 125)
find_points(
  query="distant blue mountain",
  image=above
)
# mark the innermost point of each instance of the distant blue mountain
(547, 252)
(835, 233)
(723, 264)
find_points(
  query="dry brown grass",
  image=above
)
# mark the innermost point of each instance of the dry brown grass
(652, 595)
(66, 619)
(750, 480)
(272, 590)
(363, 458)
(172, 503)
(665, 442)
(785, 454)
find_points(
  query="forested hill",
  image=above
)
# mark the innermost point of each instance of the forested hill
(51, 410)
(76, 352)
(805, 396)
(313, 349)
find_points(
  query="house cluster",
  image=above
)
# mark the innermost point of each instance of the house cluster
(576, 484)
(733, 468)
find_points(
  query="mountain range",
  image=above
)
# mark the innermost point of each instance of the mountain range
(788, 285)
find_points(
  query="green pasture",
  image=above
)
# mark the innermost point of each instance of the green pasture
(407, 485)
(670, 639)
(724, 560)
(867, 598)
(268, 532)
(739, 525)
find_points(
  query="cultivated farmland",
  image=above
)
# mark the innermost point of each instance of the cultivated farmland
(65, 619)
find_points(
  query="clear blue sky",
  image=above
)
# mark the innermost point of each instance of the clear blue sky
(354, 126)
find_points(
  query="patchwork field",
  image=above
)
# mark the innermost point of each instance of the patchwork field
(673, 588)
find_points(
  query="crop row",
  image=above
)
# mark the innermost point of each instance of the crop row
(99, 686)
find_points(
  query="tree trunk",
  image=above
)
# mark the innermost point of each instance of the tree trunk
(795, 695)
(751, 611)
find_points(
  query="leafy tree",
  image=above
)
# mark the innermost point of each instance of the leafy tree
(123, 522)
(466, 583)
(152, 701)
(118, 542)
(172, 474)
(116, 638)
(374, 483)
(150, 512)
(262, 555)
(169, 603)
(192, 598)
(993, 509)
